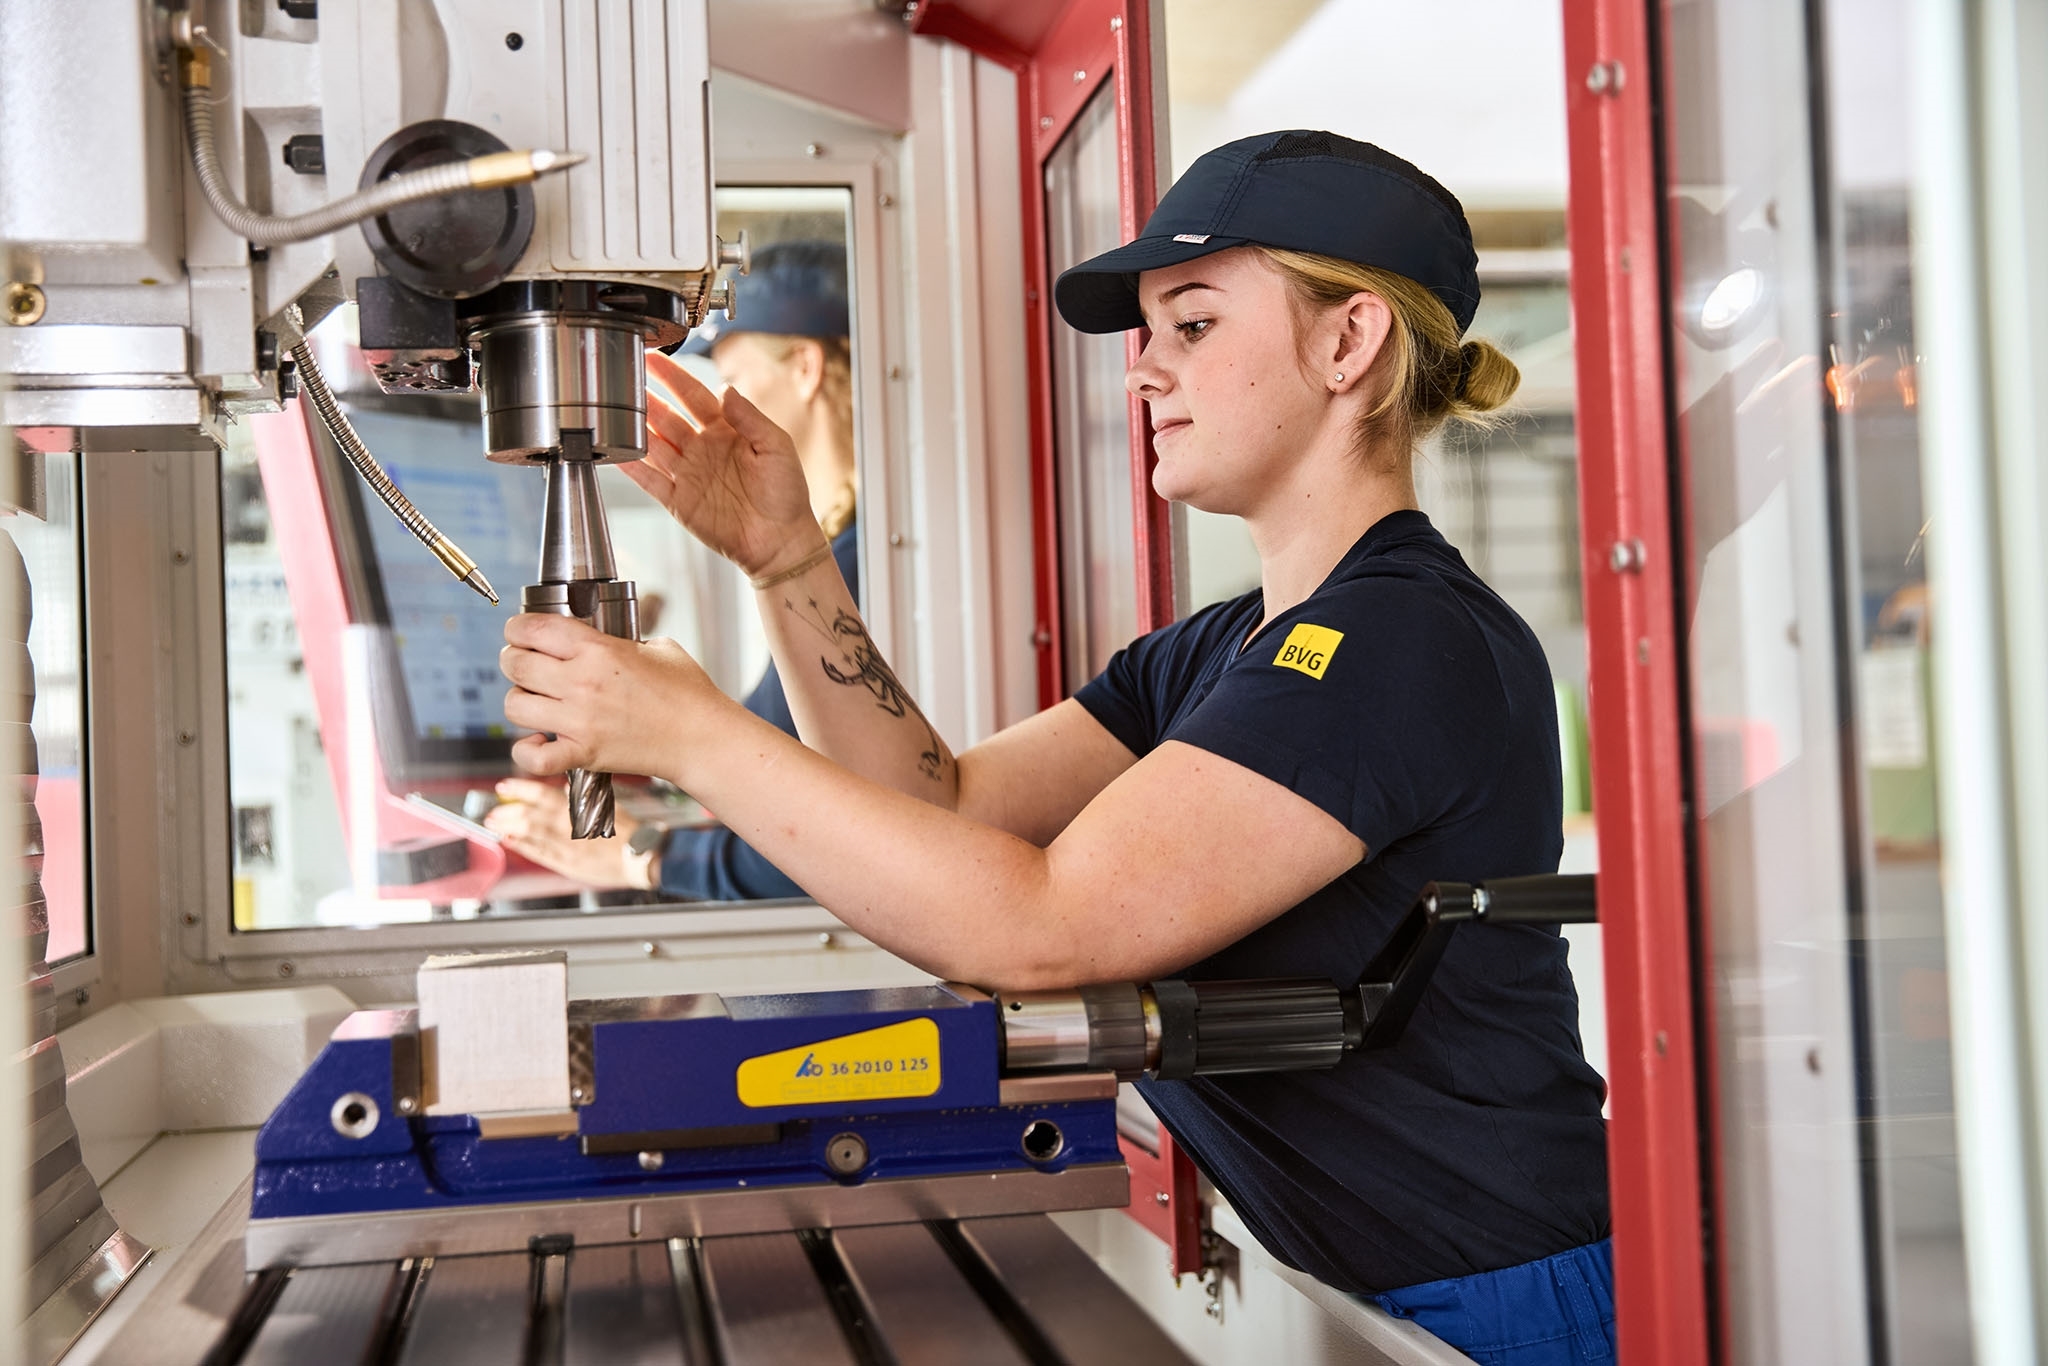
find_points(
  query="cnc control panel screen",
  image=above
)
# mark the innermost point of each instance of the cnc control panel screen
(446, 636)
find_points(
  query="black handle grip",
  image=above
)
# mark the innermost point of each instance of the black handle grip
(1549, 899)
(1277, 1025)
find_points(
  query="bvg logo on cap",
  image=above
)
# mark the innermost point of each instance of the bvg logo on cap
(1308, 649)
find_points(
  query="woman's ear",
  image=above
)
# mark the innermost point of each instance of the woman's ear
(807, 368)
(1362, 327)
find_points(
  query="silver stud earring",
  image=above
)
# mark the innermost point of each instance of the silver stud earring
(1340, 377)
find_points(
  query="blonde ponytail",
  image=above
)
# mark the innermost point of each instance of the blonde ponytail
(1489, 381)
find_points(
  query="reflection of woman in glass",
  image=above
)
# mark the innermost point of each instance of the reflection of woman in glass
(1258, 790)
(788, 354)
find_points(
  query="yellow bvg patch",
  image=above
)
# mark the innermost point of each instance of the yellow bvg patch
(891, 1063)
(1308, 649)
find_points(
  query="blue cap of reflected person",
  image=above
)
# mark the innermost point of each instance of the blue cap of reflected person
(1298, 190)
(795, 288)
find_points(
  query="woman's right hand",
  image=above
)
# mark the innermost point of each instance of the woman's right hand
(725, 472)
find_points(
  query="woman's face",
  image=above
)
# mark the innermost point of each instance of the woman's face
(749, 363)
(1232, 408)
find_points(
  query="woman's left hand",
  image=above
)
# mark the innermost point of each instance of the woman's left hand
(611, 704)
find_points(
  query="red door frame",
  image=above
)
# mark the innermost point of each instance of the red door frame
(1636, 725)
(1062, 51)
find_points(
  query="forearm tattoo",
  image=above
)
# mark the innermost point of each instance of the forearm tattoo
(860, 665)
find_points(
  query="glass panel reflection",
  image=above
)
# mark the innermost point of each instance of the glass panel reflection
(1091, 416)
(366, 723)
(1807, 627)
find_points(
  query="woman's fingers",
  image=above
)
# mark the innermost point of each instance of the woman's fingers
(654, 479)
(696, 400)
(535, 672)
(528, 810)
(752, 425)
(562, 637)
(538, 754)
(531, 711)
(527, 792)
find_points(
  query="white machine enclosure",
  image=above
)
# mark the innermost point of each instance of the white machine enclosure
(625, 81)
(155, 314)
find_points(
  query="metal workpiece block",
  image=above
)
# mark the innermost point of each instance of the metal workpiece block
(494, 1032)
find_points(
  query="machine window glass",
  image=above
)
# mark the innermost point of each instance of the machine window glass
(1808, 621)
(366, 724)
(50, 549)
(1091, 415)
(768, 215)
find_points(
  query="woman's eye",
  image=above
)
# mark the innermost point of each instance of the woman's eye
(1193, 328)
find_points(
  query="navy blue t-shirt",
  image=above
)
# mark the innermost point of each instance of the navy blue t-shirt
(1412, 704)
(714, 864)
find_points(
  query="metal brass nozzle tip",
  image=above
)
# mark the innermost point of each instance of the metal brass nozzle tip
(516, 168)
(545, 161)
(475, 579)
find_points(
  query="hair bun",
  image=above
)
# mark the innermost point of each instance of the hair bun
(1487, 379)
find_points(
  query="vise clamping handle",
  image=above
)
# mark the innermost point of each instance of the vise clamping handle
(1393, 982)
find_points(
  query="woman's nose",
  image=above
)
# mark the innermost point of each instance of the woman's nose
(1146, 378)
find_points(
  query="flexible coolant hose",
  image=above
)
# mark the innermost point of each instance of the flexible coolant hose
(344, 432)
(484, 172)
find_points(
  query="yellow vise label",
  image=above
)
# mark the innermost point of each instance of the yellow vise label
(1308, 649)
(891, 1063)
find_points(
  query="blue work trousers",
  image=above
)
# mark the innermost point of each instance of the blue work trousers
(1555, 1312)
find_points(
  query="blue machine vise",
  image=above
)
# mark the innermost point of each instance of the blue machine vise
(692, 1116)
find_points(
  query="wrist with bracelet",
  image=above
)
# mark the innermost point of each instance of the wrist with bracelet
(797, 570)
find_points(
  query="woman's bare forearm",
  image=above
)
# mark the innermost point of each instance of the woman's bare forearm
(848, 703)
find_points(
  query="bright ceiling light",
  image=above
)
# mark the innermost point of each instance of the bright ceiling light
(1729, 303)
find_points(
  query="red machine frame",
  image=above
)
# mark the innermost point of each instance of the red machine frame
(1631, 563)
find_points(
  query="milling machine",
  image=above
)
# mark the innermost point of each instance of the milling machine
(531, 210)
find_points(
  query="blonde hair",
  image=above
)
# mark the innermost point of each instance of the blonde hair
(835, 387)
(1426, 374)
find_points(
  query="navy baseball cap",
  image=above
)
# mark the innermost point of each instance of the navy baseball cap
(1297, 190)
(793, 289)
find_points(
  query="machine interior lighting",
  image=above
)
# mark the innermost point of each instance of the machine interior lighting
(1731, 301)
